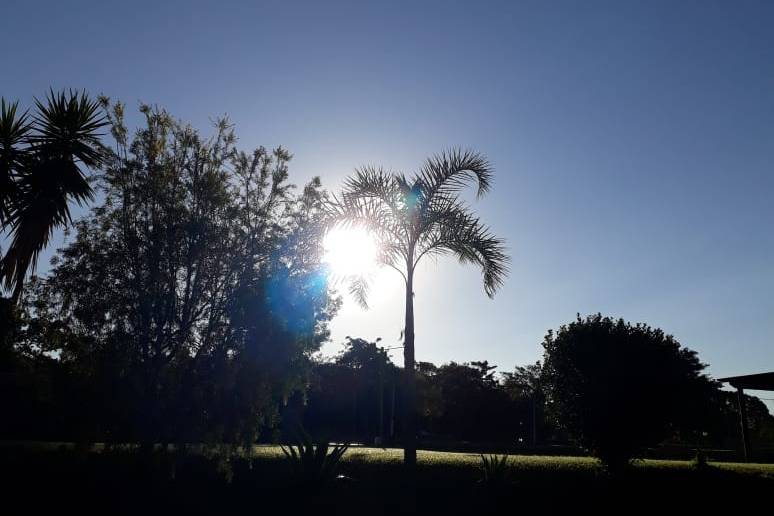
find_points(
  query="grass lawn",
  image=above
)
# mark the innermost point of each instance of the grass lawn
(525, 463)
(120, 481)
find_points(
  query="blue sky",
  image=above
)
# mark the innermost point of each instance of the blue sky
(633, 142)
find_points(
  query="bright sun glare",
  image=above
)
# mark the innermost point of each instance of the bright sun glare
(350, 251)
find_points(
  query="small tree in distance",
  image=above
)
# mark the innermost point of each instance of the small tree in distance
(618, 387)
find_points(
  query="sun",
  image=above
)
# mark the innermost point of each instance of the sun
(350, 251)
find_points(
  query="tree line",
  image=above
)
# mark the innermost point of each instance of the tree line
(190, 303)
(189, 299)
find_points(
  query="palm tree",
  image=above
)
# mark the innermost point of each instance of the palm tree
(41, 160)
(414, 217)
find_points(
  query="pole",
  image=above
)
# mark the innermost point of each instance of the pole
(392, 412)
(743, 424)
(381, 403)
(534, 420)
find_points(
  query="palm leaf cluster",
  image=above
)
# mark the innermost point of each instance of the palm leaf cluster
(423, 215)
(43, 157)
(313, 464)
(495, 471)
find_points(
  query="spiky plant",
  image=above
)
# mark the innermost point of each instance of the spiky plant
(14, 130)
(495, 471)
(412, 217)
(313, 465)
(42, 162)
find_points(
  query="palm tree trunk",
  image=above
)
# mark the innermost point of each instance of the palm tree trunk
(410, 405)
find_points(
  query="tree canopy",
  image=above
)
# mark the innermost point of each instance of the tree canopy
(620, 387)
(191, 298)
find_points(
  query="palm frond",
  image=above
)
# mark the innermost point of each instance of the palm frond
(372, 182)
(367, 212)
(451, 171)
(14, 131)
(358, 288)
(422, 215)
(460, 233)
(380, 190)
(390, 254)
(62, 137)
(42, 206)
(67, 124)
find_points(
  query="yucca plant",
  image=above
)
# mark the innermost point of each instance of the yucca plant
(313, 465)
(495, 471)
(44, 160)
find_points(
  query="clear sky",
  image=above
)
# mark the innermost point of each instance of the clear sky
(633, 142)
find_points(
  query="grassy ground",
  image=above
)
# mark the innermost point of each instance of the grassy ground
(526, 463)
(394, 456)
(42, 479)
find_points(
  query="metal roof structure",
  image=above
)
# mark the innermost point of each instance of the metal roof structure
(756, 382)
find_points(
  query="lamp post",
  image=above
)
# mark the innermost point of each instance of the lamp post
(380, 439)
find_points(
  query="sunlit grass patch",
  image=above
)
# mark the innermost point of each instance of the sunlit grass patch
(443, 459)
(368, 456)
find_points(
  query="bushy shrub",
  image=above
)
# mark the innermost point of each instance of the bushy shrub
(620, 387)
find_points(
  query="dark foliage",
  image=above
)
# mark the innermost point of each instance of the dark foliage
(495, 471)
(354, 397)
(466, 402)
(43, 158)
(619, 387)
(358, 396)
(717, 423)
(188, 303)
(314, 464)
(122, 482)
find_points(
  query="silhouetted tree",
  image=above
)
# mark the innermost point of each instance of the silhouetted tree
(363, 355)
(618, 387)
(718, 426)
(417, 216)
(524, 381)
(525, 387)
(41, 173)
(194, 295)
(9, 326)
(474, 407)
(351, 398)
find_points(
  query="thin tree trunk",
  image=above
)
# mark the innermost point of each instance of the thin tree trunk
(409, 408)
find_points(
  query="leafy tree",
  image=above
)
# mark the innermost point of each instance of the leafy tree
(360, 354)
(41, 174)
(525, 388)
(350, 398)
(467, 402)
(9, 324)
(619, 387)
(194, 295)
(719, 427)
(524, 381)
(416, 216)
